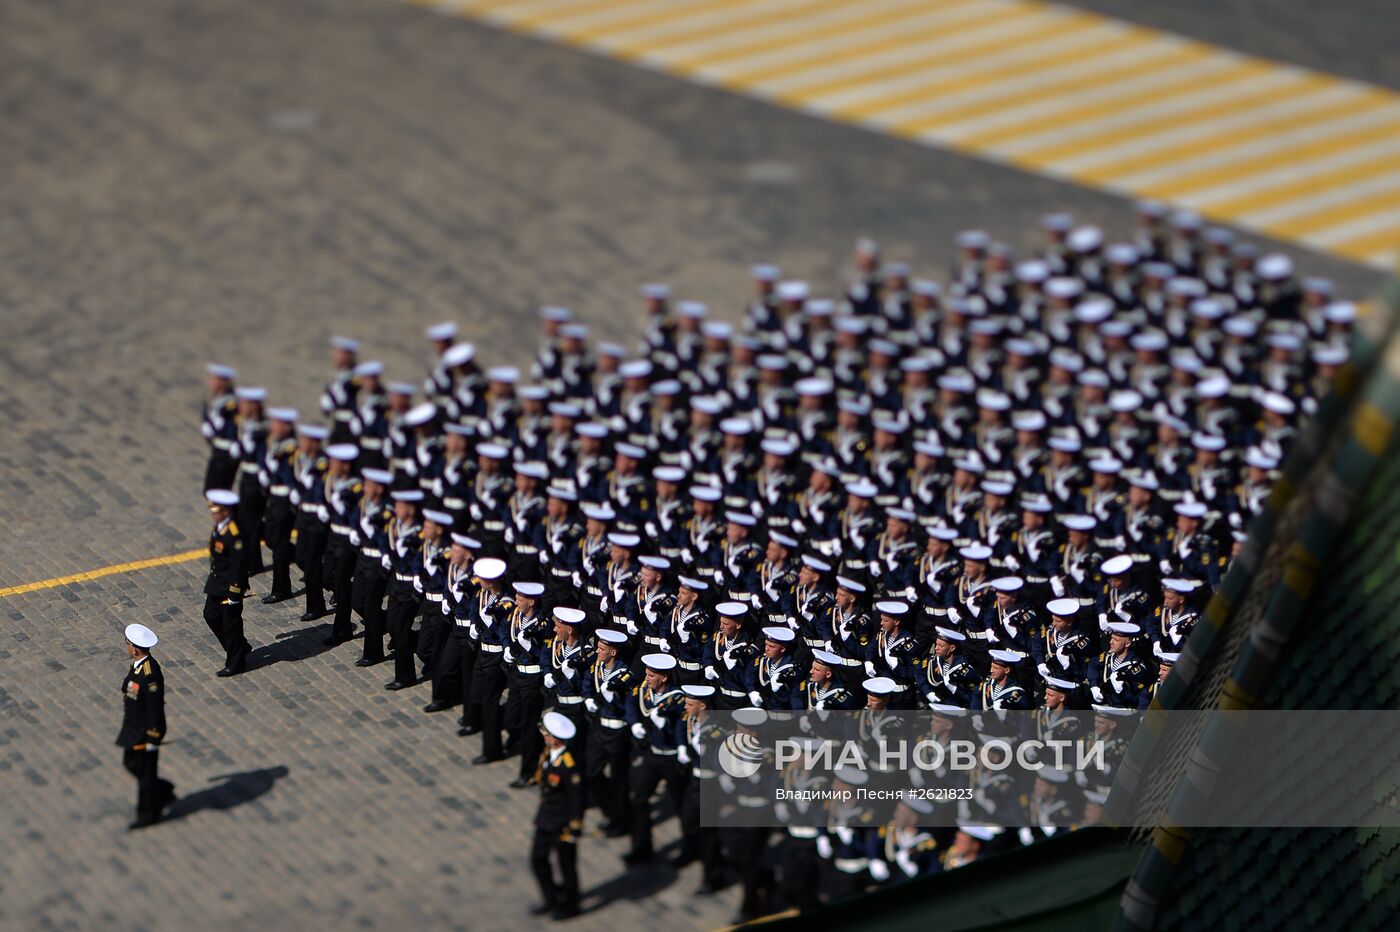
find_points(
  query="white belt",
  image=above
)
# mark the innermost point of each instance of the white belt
(688, 665)
(494, 525)
(612, 723)
(851, 865)
(371, 443)
(663, 752)
(223, 444)
(653, 639)
(802, 831)
(527, 668)
(309, 507)
(569, 700)
(559, 572)
(700, 774)
(815, 643)
(752, 802)
(281, 490)
(734, 693)
(343, 529)
(978, 635)
(433, 596)
(404, 577)
(248, 467)
(493, 648)
(371, 552)
(454, 504)
(343, 415)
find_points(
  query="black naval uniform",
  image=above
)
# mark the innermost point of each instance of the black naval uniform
(223, 594)
(143, 728)
(557, 827)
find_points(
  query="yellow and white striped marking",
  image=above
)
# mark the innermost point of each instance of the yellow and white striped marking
(1266, 146)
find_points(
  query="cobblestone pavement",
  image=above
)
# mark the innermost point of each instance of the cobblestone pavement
(236, 180)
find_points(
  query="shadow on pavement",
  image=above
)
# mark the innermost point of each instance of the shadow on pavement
(234, 790)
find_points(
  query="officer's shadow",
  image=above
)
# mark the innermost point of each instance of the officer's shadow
(635, 884)
(234, 790)
(302, 644)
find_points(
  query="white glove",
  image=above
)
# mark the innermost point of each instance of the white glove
(1116, 681)
(324, 514)
(475, 511)
(869, 668)
(354, 539)
(384, 562)
(1097, 693)
(1057, 587)
(755, 697)
(1165, 566)
(880, 871)
(509, 657)
(683, 755)
(549, 681)
(544, 558)
(711, 674)
(207, 430)
(1103, 621)
(824, 847)
(603, 604)
(591, 704)
(639, 731)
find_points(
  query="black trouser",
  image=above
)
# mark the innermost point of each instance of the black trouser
(488, 682)
(524, 706)
(800, 869)
(312, 537)
(152, 793)
(277, 530)
(220, 472)
(606, 760)
(706, 838)
(342, 558)
(839, 885)
(452, 664)
(367, 598)
(225, 618)
(647, 773)
(561, 896)
(432, 631)
(251, 502)
(749, 845)
(403, 608)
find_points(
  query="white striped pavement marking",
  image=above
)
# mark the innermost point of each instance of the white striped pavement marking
(1269, 146)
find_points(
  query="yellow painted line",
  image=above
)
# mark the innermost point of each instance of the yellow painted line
(877, 55)
(1325, 145)
(756, 19)
(1187, 82)
(1045, 92)
(1296, 121)
(858, 18)
(1067, 28)
(1133, 125)
(657, 15)
(1305, 184)
(115, 569)
(1383, 242)
(1056, 90)
(1336, 216)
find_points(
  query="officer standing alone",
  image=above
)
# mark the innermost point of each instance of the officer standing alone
(559, 820)
(143, 726)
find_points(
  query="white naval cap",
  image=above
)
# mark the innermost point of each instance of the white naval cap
(371, 368)
(344, 452)
(141, 636)
(250, 393)
(661, 663)
(437, 517)
(314, 431)
(530, 590)
(559, 725)
(285, 415)
(573, 616)
(466, 540)
(440, 332)
(879, 685)
(779, 634)
(489, 568)
(1065, 608)
(1116, 565)
(224, 498)
(459, 355)
(606, 635)
(348, 344)
(220, 371)
(381, 476)
(418, 415)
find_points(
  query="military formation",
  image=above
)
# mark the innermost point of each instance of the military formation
(1014, 488)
